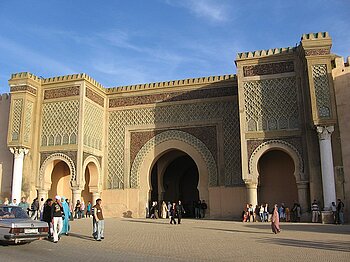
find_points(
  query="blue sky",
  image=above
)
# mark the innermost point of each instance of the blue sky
(140, 41)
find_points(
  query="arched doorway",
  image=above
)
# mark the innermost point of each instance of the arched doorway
(85, 194)
(175, 177)
(91, 181)
(60, 180)
(277, 183)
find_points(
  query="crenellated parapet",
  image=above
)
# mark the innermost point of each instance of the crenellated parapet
(265, 53)
(174, 83)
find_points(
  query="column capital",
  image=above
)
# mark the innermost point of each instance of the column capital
(324, 132)
(250, 183)
(19, 150)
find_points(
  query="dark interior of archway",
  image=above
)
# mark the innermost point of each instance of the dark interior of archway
(180, 182)
(277, 183)
(85, 194)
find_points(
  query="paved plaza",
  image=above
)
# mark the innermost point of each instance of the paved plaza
(193, 240)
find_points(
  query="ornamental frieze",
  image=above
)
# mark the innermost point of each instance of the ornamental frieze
(206, 134)
(94, 97)
(321, 51)
(268, 69)
(172, 97)
(27, 88)
(71, 154)
(62, 92)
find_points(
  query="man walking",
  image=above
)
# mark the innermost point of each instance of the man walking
(180, 210)
(99, 221)
(57, 222)
(340, 211)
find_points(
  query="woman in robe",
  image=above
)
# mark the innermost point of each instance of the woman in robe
(67, 214)
(275, 221)
(164, 210)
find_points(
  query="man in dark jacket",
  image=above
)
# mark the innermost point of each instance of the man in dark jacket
(179, 210)
(47, 215)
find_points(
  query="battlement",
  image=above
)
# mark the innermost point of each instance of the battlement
(265, 53)
(5, 97)
(25, 75)
(173, 83)
(313, 36)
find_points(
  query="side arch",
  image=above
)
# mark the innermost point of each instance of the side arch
(276, 145)
(95, 184)
(47, 167)
(179, 138)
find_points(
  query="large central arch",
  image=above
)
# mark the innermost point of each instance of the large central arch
(163, 143)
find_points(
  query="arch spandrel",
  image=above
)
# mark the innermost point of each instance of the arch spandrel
(174, 135)
(275, 145)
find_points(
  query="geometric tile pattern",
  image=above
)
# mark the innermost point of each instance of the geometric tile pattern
(60, 123)
(16, 119)
(27, 121)
(271, 104)
(93, 125)
(225, 111)
(174, 135)
(320, 79)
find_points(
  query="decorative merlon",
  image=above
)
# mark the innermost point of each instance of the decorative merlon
(174, 83)
(313, 36)
(265, 53)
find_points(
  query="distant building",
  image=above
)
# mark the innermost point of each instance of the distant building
(269, 134)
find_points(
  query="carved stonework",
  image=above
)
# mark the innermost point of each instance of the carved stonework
(296, 142)
(86, 155)
(322, 90)
(171, 97)
(269, 69)
(27, 88)
(71, 154)
(325, 132)
(206, 134)
(62, 92)
(321, 51)
(16, 119)
(94, 97)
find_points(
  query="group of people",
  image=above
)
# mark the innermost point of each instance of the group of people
(262, 213)
(82, 211)
(200, 208)
(170, 210)
(337, 211)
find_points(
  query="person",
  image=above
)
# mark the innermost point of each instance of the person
(99, 221)
(315, 211)
(266, 212)
(34, 208)
(282, 212)
(169, 207)
(14, 202)
(88, 209)
(256, 213)
(251, 213)
(47, 216)
(287, 211)
(24, 204)
(66, 217)
(298, 212)
(179, 210)
(6, 201)
(82, 209)
(261, 213)
(173, 211)
(340, 212)
(56, 213)
(275, 220)
(204, 208)
(156, 209)
(152, 210)
(197, 205)
(164, 210)
(77, 209)
(334, 212)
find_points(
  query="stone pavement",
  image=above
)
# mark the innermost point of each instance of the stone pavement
(193, 240)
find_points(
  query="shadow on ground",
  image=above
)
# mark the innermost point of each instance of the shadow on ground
(342, 246)
(81, 236)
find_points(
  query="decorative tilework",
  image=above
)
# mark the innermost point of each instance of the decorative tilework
(321, 51)
(94, 97)
(93, 125)
(27, 121)
(268, 69)
(322, 92)
(61, 92)
(16, 119)
(174, 135)
(271, 104)
(30, 89)
(60, 120)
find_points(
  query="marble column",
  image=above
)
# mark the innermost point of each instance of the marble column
(17, 172)
(252, 193)
(327, 168)
(76, 195)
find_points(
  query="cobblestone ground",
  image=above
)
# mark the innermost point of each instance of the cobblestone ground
(193, 240)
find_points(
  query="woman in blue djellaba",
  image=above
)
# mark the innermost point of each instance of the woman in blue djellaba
(67, 214)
